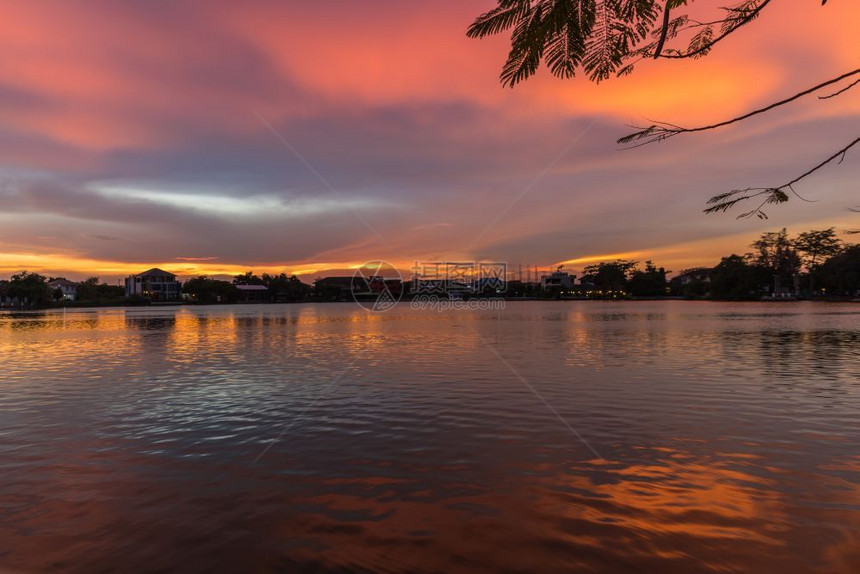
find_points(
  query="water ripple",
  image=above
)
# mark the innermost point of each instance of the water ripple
(323, 438)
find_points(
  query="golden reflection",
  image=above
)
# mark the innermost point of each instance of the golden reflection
(197, 336)
(496, 503)
(676, 512)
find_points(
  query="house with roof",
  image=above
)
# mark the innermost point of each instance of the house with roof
(695, 275)
(336, 288)
(69, 288)
(156, 285)
(694, 282)
(253, 293)
(558, 279)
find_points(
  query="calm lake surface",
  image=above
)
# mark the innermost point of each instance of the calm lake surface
(546, 437)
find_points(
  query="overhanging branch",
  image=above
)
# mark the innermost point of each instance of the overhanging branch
(772, 195)
(736, 24)
(842, 91)
(660, 131)
(664, 32)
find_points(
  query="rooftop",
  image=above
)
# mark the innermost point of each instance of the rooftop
(154, 271)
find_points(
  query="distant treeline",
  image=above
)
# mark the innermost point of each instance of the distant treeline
(814, 264)
(281, 288)
(33, 290)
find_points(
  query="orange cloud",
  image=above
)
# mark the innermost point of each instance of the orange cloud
(123, 90)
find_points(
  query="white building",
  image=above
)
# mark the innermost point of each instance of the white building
(558, 279)
(69, 288)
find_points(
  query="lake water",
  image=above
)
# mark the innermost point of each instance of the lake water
(546, 437)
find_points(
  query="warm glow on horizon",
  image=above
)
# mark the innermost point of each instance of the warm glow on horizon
(675, 258)
(81, 268)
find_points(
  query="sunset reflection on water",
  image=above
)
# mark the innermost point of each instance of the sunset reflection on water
(132, 439)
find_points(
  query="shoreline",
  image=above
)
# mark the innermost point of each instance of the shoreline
(507, 300)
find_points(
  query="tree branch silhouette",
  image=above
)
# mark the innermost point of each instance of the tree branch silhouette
(842, 91)
(603, 38)
(772, 195)
(664, 32)
(730, 25)
(660, 131)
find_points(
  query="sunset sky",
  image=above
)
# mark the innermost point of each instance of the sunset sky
(308, 137)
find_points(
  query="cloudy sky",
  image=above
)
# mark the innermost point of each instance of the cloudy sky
(308, 137)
